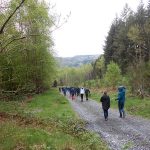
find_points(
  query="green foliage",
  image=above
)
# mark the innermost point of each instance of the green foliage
(113, 75)
(97, 83)
(127, 43)
(74, 76)
(139, 78)
(26, 61)
(98, 68)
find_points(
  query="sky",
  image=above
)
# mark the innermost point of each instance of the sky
(88, 25)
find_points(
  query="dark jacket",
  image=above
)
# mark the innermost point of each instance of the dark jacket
(105, 99)
(87, 91)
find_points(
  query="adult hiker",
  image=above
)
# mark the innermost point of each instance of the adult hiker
(121, 100)
(82, 93)
(105, 100)
(87, 92)
(72, 93)
(78, 91)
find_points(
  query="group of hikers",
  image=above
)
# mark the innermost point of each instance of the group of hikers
(105, 99)
(75, 92)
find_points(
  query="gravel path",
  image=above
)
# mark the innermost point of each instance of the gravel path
(131, 133)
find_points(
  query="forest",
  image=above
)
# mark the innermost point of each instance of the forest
(126, 58)
(35, 115)
(27, 63)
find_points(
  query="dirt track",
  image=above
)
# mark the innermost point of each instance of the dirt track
(132, 133)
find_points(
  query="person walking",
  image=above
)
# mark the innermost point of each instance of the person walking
(105, 100)
(78, 91)
(121, 100)
(87, 92)
(82, 93)
(72, 93)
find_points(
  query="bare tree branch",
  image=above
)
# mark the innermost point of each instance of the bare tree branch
(16, 39)
(5, 23)
(11, 42)
(58, 25)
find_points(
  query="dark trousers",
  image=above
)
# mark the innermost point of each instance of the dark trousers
(105, 113)
(121, 109)
(81, 97)
(86, 95)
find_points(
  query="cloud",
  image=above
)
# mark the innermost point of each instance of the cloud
(88, 25)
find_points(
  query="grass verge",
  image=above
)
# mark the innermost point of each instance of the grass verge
(45, 122)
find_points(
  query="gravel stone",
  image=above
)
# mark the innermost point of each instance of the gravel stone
(130, 133)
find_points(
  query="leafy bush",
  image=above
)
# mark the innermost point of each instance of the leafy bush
(113, 75)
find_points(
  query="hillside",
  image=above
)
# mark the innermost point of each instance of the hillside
(76, 60)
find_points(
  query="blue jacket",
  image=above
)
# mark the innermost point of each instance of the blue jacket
(121, 94)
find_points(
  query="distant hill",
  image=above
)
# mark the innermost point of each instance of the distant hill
(76, 61)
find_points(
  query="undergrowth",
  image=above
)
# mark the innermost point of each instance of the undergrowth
(45, 122)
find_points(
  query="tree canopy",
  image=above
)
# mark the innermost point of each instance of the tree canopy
(26, 55)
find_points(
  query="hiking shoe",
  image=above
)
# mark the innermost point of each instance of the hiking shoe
(124, 114)
(120, 115)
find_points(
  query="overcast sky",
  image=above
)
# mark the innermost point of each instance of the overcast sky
(87, 26)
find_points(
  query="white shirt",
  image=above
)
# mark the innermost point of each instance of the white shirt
(82, 91)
